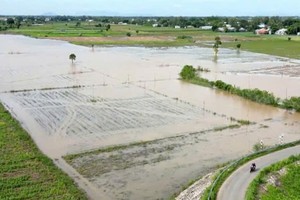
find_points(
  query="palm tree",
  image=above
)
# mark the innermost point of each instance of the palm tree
(72, 57)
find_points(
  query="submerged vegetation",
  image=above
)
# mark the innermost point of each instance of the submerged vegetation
(188, 73)
(25, 173)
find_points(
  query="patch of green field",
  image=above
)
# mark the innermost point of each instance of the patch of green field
(273, 45)
(25, 173)
(288, 184)
(165, 43)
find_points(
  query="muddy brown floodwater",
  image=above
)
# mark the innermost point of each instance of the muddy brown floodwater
(123, 95)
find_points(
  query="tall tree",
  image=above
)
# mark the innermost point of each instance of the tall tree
(10, 22)
(216, 44)
(72, 57)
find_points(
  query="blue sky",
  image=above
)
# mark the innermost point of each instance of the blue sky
(152, 7)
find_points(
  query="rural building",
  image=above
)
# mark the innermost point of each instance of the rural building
(190, 26)
(205, 27)
(262, 25)
(262, 31)
(122, 23)
(230, 28)
(281, 31)
(177, 26)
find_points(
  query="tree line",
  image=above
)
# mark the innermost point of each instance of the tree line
(247, 23)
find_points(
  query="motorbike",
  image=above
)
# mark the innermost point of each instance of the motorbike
(253, 167)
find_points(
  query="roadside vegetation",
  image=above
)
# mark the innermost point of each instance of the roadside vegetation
(25, 173)
(280, 181)
(220, 177)
(189, 74)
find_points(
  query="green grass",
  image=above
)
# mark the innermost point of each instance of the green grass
(25, 173)
(147, 43)
(289, 187)
(273, 45)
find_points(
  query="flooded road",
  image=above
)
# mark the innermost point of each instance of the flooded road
(123, 95)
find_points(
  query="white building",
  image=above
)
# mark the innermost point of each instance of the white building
(206, 27)
(281, 31)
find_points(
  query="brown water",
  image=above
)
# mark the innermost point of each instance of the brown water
(131, 94)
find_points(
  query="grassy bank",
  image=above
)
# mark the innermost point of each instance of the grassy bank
(288, 184)
(220, 178)
(25, 173)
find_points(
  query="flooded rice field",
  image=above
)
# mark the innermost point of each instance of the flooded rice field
(167, 131)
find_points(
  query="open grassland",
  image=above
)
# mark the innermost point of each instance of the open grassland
(274, 45)
(280, 181)
(25, 173)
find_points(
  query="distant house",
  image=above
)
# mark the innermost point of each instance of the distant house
(221, 29)
(242, 29)
(154, 25)
(262, 31)
(177, 26)
(230, 28)
(205, 27)
(122, 23)
(190, 26)
(262, 25)
(298, 33)
(281, 31)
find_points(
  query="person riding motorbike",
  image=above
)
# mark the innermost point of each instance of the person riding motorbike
(253, 167)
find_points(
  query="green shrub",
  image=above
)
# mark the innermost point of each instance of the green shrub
(292, 103)
(184, 37)
(188, 72)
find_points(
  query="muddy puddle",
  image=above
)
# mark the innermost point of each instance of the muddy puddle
(131, 95)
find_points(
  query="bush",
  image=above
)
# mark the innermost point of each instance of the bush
(128, 34)
(184, 37)
(292, 103)
(188, 72)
